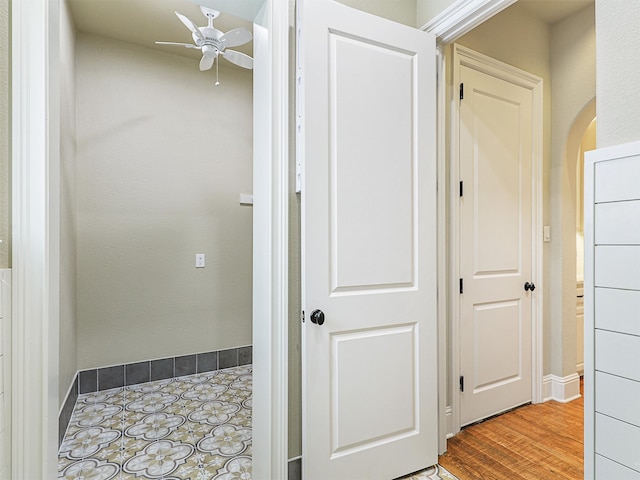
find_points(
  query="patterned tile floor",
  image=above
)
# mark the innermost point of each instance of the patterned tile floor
(437, 472)
(196, 427)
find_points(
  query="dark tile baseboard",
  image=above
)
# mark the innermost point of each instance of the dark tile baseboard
(67, 409)
(97, 379)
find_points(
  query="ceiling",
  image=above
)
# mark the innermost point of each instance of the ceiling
(142, 22)
(552, 11)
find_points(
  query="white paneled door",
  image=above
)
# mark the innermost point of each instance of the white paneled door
(367, 149)
(495, 246)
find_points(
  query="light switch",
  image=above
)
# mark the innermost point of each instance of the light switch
(546, 233)
(199, 260)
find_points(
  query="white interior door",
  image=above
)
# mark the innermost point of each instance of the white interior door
(367, 147)
(495, 259)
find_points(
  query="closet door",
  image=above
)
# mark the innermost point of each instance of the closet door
(367, 123)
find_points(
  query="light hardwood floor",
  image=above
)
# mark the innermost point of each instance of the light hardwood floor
(533, 442)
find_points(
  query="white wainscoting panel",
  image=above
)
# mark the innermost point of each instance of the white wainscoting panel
(618, 441)
(611, 308)
(610, 402)
(606, 468)
(617, 310)
(617, 353)
(617, 266)
(618, 223)
(616, 179)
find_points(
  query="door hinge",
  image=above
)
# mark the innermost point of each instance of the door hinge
(461, 188)
(461, 383)
(302, 316)
(461, 91)
(461, 285)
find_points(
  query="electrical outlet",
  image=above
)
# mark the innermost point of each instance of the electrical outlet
(199, 260)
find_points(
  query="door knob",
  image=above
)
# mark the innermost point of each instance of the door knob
(317, 317)
(529, 287)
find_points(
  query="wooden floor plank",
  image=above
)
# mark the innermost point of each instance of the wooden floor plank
(529, 443)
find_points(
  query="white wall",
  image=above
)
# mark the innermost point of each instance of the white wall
(5, 167)
(68, 363)
(573, 90)
(618, 68)
(162, 157)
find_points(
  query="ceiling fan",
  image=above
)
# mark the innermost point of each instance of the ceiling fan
(212, 42)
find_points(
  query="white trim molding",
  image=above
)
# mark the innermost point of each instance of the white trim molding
(270, 244)
(445, 421)
(463, 16)
(561, 389)
(448, 415)
(35, 122)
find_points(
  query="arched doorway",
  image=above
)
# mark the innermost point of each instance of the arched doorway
(581, 138)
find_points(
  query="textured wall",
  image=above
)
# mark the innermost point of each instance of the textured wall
(618, 71)
(428, 9)
(162, 157)
(573, 90)
(5, 164)
(68, 325)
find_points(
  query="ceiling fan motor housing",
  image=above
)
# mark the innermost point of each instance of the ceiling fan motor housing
(211, 37)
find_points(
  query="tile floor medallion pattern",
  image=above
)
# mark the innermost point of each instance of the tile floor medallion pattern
(437, 472)
(196, 427)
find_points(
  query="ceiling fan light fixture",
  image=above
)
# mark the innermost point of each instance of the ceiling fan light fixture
(212, 42)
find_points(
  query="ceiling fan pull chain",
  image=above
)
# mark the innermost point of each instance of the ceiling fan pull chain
(217, 62)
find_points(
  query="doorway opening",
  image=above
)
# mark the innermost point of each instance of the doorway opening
(156, 227)
(524, 37)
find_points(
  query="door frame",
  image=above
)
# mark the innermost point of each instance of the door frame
(35, 156)
(463, 56)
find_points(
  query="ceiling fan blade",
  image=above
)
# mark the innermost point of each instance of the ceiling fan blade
(191, 26)
(240, 59)
(235, 37)
(206, 62)
(186, 45)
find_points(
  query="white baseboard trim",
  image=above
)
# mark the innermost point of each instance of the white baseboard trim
(448, 415)
(580, 368)
(561, 389)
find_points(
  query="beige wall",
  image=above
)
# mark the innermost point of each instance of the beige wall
(5, 164)
(573, 99)
(587, 143)
(515, 37)
(428, 9)
(162, 157)
(68, 318)
(618, 71)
